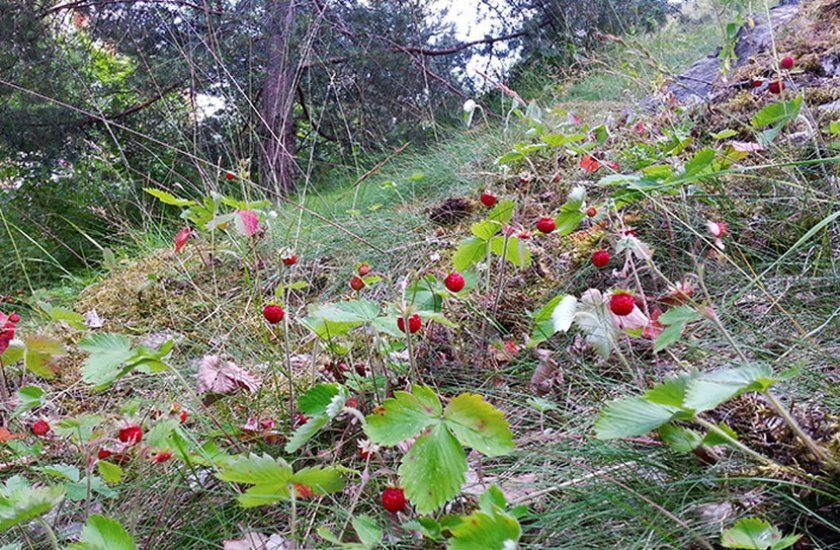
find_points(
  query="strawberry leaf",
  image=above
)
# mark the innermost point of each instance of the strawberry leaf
(433, 470)
(168, 198)
(320, 480)
(502, 212)
(756, 534)
(102, 533)
(305, 432)
(477, 424)
(469, 251)
(317, 398)
(108, 352)
(403, 416)
(711, 389)
(493, 530)
(19, 502)
(632, 417)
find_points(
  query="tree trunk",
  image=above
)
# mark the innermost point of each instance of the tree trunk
(278, 167)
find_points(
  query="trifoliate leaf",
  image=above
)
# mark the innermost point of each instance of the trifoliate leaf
(108, 353)
(269, 477)
(469, 251)
(320, 480)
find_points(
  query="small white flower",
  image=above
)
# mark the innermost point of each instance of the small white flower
(469, 106)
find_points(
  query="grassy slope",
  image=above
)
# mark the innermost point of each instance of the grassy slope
(591, 494)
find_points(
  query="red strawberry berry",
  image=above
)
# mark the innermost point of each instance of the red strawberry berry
(290, 260)
(103, 454)
(454, 282)
(363, 269)
(488, 200)
(600, 258)
(776, 87)
(757, 82)
(229, 175)
(183, 417)
(591, 212)
(131, 434)
(40, 428)
(273, 313)
(162, 456)
(14, 318)
(393, 499)
(414, 323)
(546, 225)
(357, 283)
(787, 63)
(622, 304)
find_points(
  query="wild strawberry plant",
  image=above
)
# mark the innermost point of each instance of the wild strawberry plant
(434, 469)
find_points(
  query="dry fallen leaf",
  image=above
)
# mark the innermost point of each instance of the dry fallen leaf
(217, 376)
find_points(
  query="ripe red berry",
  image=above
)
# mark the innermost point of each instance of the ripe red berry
(622, 304)
(131, 434)
(357, 283)
(393, 499)
(162, 456)
(273, 313)
(488, 200)
(546, 225)
(363, 269)
(414, 323)
(756, 83)
(787, 63)
(290, 260)
(229, 175)
(303, 491)
(183, 417)
(776, 87)
(591, 212)
(454, 282)
(14, 318)
(40, 428)
(103, 454)
(600, 258)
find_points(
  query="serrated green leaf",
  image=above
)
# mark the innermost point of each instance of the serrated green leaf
(501, 213)
(777, 113)
(79, 428)
(496, 531)
(713, 438)
(110, 472)
(367, 530)
(168, 198)
(320, 480)
(510, 157)
(671, 392)
(102, 533)
(433, 470)
(327, 330)
(709, 390)
(682, 440)
(63, 471)
(256, 469)
(699, 162)
(477, 424)
(14, 353)
(20, 502)
(352, 311)
(63, 314)
(520, 256)
(469, 251)
(29, 397)
(493, 496)
(756, 534)
(567, 222)
(632, 417)
(40, 353)
(306, 432)
(403, 416)
(317, 398)
(485, 229)
(160, 436)
(108, 353)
